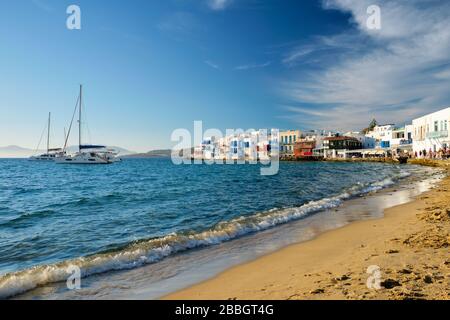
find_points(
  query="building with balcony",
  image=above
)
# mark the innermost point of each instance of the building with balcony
(402, 139)
(431, 132)
(288, 140)
(331, 145)
(304, 148)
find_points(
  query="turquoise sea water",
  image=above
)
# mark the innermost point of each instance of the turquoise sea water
(140, 211)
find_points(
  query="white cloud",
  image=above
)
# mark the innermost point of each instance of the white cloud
(212, 64)
(393, 74)
(253, 66)
(218, 5)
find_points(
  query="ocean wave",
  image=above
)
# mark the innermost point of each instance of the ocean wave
(19, 221)
(152, 250)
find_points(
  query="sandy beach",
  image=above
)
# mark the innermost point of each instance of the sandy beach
(409, 246)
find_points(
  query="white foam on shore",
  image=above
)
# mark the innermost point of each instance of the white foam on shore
(153, 250)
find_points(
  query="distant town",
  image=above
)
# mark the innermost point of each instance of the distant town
(425, 137)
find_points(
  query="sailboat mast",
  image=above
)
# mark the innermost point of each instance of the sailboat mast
(79, 118)
(48, 132)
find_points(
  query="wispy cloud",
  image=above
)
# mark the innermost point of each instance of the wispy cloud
(179, 23)
(218, 5)
(253, 66)
(393, 74)
(319, 48)
(212, 64)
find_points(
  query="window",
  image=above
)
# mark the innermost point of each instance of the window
(436, 126)
(445, 125)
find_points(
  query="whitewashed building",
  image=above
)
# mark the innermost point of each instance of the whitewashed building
(367, 142)
(431, 132)
(402, 138)
(382, 135)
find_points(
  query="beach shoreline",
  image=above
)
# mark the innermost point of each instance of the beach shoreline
(409, 245)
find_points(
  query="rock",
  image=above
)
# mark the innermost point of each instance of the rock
(428, 279)
(317, 291)
(392, 251)
(343, 278)
(405, 271)
(390, 283)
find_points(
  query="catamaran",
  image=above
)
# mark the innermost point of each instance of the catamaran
(51, 154)
(87, 154)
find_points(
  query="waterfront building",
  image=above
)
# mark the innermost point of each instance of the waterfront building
(236, 150)
(367, 142)
(222, 146)
(331, 145)
(305, 148)
(206, 150)
(431, 132)
(382, 135)
(288, 140)
(401, 140)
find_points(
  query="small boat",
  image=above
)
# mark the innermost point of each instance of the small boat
(87, 154)
(51, 154)
(402, 159)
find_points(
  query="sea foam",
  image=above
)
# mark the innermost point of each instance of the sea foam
(152, 250)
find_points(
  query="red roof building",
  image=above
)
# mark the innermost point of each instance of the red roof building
(304, 149)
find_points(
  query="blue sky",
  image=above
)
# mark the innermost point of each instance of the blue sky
(149, 67)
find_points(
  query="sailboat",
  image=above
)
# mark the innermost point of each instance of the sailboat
(87, 154)
(51, 154)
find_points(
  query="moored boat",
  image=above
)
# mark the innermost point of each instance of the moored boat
(51, 154)
(87, 154)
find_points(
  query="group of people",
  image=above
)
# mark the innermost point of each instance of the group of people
(443, 153)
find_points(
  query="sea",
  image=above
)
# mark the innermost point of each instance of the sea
(143, 228)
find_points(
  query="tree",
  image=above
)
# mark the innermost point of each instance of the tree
(372, 125)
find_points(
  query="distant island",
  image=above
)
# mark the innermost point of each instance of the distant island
(165, 153)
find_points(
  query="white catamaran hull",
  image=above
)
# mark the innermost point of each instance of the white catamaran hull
(86, 158)
(42, 158)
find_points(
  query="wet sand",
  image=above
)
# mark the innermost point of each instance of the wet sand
(410, 245)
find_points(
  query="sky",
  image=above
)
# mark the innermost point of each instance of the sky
(150, 67)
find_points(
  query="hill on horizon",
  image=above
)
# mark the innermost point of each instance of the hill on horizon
(162, 153)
